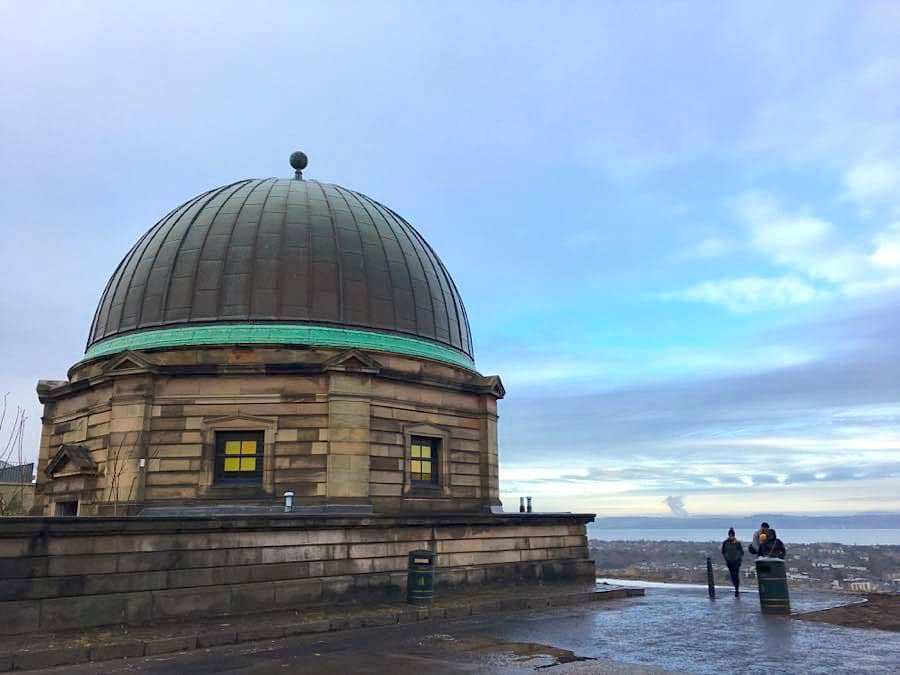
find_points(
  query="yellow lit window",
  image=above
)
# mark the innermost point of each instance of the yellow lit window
(239, 455)
(422, 460)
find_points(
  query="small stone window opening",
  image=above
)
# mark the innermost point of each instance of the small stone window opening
(239, 456)
(423, 461)
(66, 509)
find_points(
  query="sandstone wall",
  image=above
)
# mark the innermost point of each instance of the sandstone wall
(72, 573)
(336, 431)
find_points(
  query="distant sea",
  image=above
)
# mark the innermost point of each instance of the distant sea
(859, 537)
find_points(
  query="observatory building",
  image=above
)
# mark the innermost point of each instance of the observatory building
(273, 336)
(278, 402)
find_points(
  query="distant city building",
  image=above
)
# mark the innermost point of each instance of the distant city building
(16, 488)
(862, 585)
(16, 473)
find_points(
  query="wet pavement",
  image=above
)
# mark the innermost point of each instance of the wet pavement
(677, 627)
(673, 628)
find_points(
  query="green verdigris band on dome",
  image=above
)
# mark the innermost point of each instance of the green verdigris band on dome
(277, 334)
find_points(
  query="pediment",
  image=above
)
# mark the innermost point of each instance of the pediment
(424, 430)
(127, 363)
(353, 360)
(239, 419)
(70, 460)
(495, 386)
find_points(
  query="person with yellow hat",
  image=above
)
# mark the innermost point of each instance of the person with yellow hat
(759, 537)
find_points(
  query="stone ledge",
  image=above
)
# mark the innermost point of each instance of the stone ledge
(201, 639)
(169, 645)
(40, 526)
(49, 658)
(117, 650)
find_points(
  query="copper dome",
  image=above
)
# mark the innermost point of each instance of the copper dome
(287, 252)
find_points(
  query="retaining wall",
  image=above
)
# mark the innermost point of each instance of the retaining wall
(68, 573)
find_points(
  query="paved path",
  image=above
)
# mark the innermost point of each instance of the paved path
(467, 646)
(671, 629)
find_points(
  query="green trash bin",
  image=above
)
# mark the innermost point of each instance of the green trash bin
(420, 577)
(771, 576)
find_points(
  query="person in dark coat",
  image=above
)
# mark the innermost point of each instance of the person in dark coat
(772, 547)
(733, 552)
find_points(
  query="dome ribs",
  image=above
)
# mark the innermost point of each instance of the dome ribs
(262, 281)
(234, 297)
(362, 284)
(190, 292)
(102, 313)
(182, 262)
(131, 289)
(440, 273)
(108, 301)
(378, 292)
(325, 251)
(295, 290)
(356, 274)
(422, 324)
(467, 345)
(155, 276)
(273, 250)
(207, 279)
(245, 277)
(398, 268)
(278, 271)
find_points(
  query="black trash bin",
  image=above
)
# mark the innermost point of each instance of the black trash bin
(420, 577)
(771, 576)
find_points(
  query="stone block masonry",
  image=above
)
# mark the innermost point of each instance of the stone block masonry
(140, 430)
(69, 573)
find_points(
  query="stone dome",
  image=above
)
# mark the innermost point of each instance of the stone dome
(283, 261)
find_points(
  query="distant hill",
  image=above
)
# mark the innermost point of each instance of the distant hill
(863, 521)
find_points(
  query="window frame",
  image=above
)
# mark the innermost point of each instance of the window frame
(62, 505)
(440, 465)
(223, 477)
(434, 460)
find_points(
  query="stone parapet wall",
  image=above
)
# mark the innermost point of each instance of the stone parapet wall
(61, 573)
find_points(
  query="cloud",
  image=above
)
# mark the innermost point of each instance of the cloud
(676, 506)
(751, 293)
(802, 243)
(832, 423)
(887, 248)
(820, 261)
(711, 247)
(818, 119)
(873, 182)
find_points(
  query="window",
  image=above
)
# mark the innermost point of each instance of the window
(426, 465)
(423, 461)
(66, 509)
(239, 456)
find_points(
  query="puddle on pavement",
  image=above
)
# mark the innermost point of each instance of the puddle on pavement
(530, 654)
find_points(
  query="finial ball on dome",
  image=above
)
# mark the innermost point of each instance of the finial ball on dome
(299, 160)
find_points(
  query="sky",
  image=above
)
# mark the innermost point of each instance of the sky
(676, 226)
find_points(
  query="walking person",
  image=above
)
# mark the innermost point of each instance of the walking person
(733, 552)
